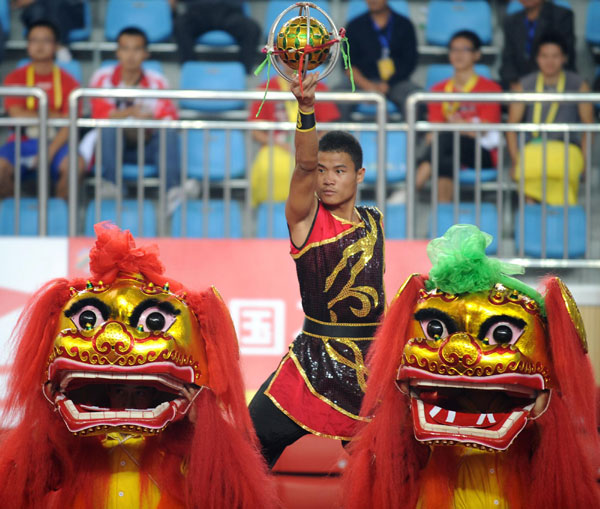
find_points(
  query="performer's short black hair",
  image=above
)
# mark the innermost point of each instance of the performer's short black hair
(342, 141)
(552, 38)
(134, 31)
(46, 24)
(470, 36)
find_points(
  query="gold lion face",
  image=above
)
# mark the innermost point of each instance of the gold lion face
(476, 366)
(125, 357)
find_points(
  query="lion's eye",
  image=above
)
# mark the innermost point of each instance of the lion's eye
(434, 329)
(503, 333)
(87, 318)
(154, 319)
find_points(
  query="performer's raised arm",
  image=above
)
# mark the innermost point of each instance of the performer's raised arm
(301, 204)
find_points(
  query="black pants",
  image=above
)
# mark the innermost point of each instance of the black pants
(274, 429)
(446, 154)
(199, 19)
(67, 15)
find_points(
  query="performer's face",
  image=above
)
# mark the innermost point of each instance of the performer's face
(337, 178)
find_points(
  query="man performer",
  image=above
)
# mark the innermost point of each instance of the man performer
(338, 251)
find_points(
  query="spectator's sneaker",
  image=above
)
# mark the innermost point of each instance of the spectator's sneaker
(397, 197)
(63, 54)
(108, 189)
(190, 190)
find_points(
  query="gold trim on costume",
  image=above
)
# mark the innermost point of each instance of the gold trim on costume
(358, 365)
(373, 324)
(574, 313)
(320, 336)
(326, 241)
(399, 292)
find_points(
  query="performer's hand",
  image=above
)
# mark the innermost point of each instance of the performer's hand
(306, 96)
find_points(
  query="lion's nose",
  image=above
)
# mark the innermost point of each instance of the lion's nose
(461, 351)
(113, 338)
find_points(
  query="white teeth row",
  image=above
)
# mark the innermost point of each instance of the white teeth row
(487, 387)
(164, 380)
(484, 433)
(123, 414)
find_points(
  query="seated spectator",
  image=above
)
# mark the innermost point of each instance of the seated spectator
(551, 59)
(463, 52)
(42, 39)
(522, 32)
(196, 17)
(282, 158)
(66, 15)
(128, 73)
(383, 52)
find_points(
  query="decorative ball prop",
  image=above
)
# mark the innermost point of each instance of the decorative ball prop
(303, 43)
(292, 41)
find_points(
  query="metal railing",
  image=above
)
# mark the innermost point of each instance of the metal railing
(415, 126)
(41, 123)
(75, 122)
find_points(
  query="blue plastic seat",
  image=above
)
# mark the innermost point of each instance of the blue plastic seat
(554, 231)
(358, 7)
(396, 156)
(129, 217)
(220, 37)
(468, 175)
(217, 150)
(516, 6)
(276, 7)
(280, 228)
(73, 67)
(395, 221)
(592, 23)
(441, 72)
(371, 108)
(28, 217)
(216, 220)
(5, 16)
(83, 33)
(152, 16)
(466, 215)
(213, 76)
(130, 171)
(445, 18)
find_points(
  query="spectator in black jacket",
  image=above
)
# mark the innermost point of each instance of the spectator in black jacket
(522, 32)
(383, 52)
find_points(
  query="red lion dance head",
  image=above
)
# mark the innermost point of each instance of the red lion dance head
(481, 393)
(130, 363)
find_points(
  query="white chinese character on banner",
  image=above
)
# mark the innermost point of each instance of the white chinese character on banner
(260, 325)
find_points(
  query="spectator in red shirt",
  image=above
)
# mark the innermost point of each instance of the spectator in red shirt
(464, 52)
(282, 158)
(42, 40)
(128, 73)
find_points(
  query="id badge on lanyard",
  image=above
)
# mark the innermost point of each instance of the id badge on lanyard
(385, 65)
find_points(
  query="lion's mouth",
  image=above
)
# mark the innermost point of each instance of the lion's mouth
(488, 414)
(96, 401)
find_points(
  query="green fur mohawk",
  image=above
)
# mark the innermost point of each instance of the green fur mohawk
(460, 264)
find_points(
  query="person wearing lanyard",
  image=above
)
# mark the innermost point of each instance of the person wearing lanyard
(42, 40)
(464, 52)
(383, 52)
(551, 58)
(522, 31)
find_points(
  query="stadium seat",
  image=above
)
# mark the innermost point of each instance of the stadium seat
(466, 215)
(152, 16)
(516, 6)
(468, 176)
(371, 108)
(276, 7)
(129, 217)
(216, 220)
(394, 220)
(83, 33)
(217, 150)
(213, 76)
(592, 24)
(220, 37)
(28, 217)
(280, 229)
(396, 155)
(130, 171)
(554, 231)
(73, 67)
(358, 7)
(440, 72)
(446, 18)
(5, 16)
